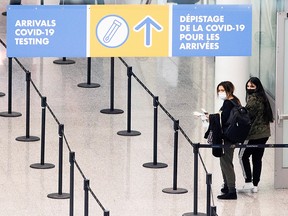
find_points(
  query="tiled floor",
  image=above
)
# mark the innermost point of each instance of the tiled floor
(113, 163)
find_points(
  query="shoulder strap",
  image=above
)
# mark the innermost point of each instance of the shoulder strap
(234, 103)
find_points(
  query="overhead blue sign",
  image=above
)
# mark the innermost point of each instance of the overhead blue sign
(111, 30)
(46, 31)
(217, 30)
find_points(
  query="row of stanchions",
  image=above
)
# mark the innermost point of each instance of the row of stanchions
(128, 132)
(28, 138)
(211, 210)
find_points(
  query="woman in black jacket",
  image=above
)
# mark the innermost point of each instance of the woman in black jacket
(225, 92)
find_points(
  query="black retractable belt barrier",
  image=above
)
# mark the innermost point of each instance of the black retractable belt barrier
(112, 110)
(86, 197)
(155, 164)
(60, 195)
(175, 190)
(10, 113)
(42, 164)
(88, 84)
(129, 132)
(42, 2)
(72, 164)
(27, 137)
(208, 182)
(195, 210)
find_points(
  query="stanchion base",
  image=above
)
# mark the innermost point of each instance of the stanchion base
(59, 196)
(12, 114)
(112, 111)
(61, 61)
(155, 165)
(27, 139)
(191, 214)
(2, 94)
(177, 191)
(129, 133)
(4, 13)
(86, 85)
(42, 166)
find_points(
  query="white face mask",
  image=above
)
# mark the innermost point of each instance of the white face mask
(222, 95)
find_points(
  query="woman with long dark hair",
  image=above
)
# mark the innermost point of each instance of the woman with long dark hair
(261, 115)
(225, 91)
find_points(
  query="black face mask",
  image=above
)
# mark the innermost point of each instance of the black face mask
(250, 91)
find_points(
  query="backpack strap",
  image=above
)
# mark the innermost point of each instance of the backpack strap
(234, 103)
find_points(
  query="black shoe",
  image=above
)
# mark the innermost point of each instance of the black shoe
(224, 190)
(228, 196)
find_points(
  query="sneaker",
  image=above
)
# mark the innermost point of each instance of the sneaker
(228, 196)
(255, 189)
(247, 187)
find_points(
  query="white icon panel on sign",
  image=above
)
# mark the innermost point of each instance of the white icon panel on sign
(112, 31)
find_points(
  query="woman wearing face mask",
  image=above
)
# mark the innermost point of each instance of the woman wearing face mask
(261, 114)
(225, 92)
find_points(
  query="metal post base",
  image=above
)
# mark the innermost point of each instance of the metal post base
(42, 166)
(177, 191)
(2, 94)
(86, 85)
(129, 133)
(192, 214)
(112, 111)
(12, 114)
(27, 139)
(155, 165)
(4, 13)
(59, 196)
(62, 61)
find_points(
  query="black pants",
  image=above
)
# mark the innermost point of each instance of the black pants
(257, 154)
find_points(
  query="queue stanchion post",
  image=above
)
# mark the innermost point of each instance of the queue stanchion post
(42, 164)
(175, 189)
(72, 165)
(112, 110)
(9, 113)
(12, 2)
(155, 163)
(208, 182)
(64, 61)
(27, 137)
(86, 197)
(88, 84)
(195, 208)
(106, 213)
(60, 194)
(129, 132)
(213, 211)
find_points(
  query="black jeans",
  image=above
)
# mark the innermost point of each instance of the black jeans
(257, 154)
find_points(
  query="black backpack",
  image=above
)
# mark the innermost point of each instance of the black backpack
(239, 124)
